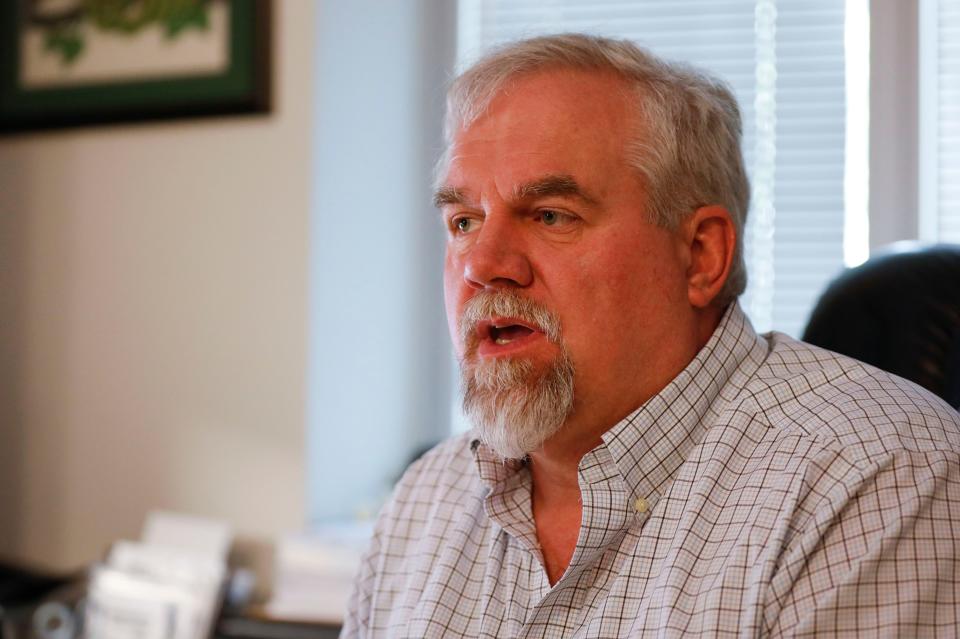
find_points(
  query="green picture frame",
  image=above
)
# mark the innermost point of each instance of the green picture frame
(242, 86)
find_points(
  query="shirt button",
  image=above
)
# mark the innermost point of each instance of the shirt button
(641, 505)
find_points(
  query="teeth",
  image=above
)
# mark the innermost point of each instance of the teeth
(503, 340)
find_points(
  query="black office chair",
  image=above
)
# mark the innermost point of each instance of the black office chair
(899, 311)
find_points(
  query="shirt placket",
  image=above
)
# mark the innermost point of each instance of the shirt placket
(607, 514)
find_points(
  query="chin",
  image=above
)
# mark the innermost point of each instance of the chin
(514, 405)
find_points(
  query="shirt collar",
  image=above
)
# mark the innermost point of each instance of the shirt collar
(649, 445)
(492, 468)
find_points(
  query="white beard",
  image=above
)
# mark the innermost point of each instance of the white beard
(514, 410)
(513, 407)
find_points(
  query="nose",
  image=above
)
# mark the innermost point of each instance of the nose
(497, 258)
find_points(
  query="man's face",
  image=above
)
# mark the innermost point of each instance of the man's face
(539, 201)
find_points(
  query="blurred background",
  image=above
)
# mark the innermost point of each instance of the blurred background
(240, 316)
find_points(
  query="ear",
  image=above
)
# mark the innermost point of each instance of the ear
(711, 240)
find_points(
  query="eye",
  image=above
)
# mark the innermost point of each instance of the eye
(463, 224)
(550, 217)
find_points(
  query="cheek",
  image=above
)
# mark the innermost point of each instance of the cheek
(622, 295)
(453, 291)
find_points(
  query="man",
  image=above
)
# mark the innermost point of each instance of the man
(642, 462)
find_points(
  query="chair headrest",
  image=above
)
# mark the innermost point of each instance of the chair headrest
(899, 311)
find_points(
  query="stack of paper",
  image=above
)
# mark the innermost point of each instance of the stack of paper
(314, 572)
(167, 586)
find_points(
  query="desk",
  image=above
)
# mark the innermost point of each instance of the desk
(240, 627)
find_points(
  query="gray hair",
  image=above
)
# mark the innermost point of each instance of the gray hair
(688, 151)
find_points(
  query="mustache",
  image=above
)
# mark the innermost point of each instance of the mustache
(505, 303)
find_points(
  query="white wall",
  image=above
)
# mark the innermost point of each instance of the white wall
(153, 304)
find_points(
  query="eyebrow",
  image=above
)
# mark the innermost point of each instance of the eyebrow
(446, 195)
(560, 184)
(549, 185)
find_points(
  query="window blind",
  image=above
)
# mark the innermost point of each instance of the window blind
(784, 61)
(948, 121)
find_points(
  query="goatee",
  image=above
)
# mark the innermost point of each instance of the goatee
(513, 404)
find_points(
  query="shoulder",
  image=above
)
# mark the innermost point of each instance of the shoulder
(846, 405)
(434, 487)
(428, 502)
(448, 465)
(855, 479)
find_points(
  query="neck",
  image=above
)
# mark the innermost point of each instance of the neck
(554, 474)
(554, 466)
(557, 510)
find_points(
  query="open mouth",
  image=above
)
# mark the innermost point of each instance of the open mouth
(502, 335)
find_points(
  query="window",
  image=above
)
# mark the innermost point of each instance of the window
(940, 120)
(786, 63)
(381, 383)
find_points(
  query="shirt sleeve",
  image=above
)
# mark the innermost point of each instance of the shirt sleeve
(356, 623)
(359, 621)
(879, 556)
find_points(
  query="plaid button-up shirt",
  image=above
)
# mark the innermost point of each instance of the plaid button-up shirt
(771, 489)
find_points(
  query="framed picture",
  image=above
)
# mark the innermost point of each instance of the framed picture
(75, 62)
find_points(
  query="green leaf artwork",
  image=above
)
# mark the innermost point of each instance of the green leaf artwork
(65, 24)
(65, 41)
